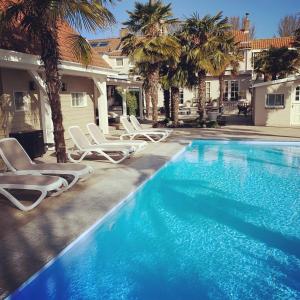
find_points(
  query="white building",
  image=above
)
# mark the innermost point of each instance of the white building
(277, 102)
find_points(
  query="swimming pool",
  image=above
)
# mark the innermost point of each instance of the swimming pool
(219, 221)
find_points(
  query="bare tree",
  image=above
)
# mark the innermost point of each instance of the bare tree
(289, 24)
(238, 24)
(252, 32)
(235, 23)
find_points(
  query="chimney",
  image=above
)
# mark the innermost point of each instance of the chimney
(123, 32)
(246, 23)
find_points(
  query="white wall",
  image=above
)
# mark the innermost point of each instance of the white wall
(127, 65)
(274, 116)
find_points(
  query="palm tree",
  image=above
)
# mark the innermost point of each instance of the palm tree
(178, 74)
(226, 58)
(277, 63)
(147, 42)
(40, 20)
(202, 36)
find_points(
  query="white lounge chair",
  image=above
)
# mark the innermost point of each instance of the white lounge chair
(17, 161)
(137, 126)
(84, 148)
(132, 133)
(44, 184)
(100, 139)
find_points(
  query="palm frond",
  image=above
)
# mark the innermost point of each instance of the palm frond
(88, 15)
(80, 48)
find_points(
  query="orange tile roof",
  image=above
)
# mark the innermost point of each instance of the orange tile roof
(113, 44)
(274, 42)
(240, 36)
(243, 38)
(18, 41)
(64, 46)
(116, 53)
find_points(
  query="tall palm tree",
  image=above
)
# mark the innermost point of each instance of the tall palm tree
(201, 37)
(226, 57)
(40, 20)
(147, 42)
(178, 74)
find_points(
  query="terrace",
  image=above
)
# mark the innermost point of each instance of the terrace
(29, 240)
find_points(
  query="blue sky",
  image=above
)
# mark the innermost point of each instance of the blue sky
(265, 14)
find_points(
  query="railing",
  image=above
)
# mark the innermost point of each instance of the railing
(230, 107)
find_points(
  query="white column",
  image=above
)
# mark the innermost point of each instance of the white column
(101, 98)
(124, 104)
(46, 116)
(141, 102)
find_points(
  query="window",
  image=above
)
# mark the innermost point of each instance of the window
(99, 44)
(231, 90)
(255, 55)
(21, 100)
(297, 98)
(102, 44)
(207, 90)
(275, 100)
(181, 95)
(195, 94)
(226, 90)
(234, 93)
(78, 100)
(119, 62)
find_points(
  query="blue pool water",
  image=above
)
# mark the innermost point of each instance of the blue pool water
(220, 221)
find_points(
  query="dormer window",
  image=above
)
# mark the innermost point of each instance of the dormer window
(102, 44)
(119, 62)
(99, 44)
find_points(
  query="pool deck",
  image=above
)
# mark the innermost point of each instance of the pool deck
(29, 240)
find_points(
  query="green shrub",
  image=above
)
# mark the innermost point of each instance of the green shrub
(132, 103)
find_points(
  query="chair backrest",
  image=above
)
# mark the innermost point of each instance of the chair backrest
(96, 133)
(135, 123)
(79, 138)
(127, 125)
(14, 155)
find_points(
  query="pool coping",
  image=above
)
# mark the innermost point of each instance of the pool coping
(129, 197)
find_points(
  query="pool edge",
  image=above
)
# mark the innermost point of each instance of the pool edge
(98, 223)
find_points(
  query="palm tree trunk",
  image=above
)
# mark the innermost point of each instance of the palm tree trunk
(50, 58)
(175, 104)
(153, 82)
(148, 100)
(167, 103)
(201, 89)
(221, 87)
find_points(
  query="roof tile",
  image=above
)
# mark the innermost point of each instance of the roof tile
(274, 42)
(113, 44)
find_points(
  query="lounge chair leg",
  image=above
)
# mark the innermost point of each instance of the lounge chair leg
(65, 187)
(77, 160)
(19, 205)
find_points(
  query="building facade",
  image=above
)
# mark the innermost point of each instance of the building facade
(24, 104)
(236, 87)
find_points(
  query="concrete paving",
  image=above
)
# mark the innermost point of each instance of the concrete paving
(29, 240)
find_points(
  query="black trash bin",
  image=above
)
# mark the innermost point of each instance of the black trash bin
(31, 141)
